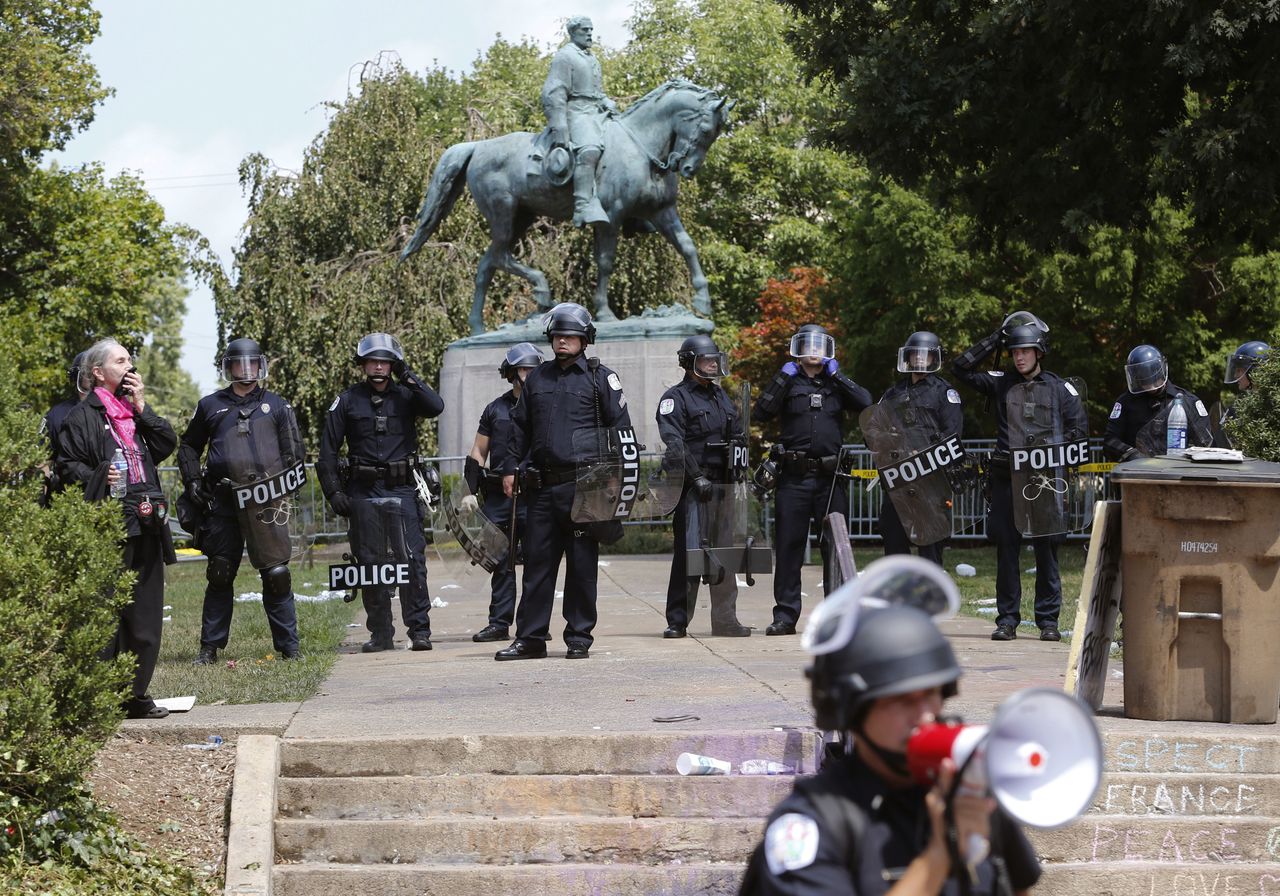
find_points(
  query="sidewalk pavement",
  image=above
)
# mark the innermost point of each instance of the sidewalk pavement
(633, 678)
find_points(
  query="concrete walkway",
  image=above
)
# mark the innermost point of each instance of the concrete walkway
(633, 678)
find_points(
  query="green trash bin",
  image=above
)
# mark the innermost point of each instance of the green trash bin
(1200, 598)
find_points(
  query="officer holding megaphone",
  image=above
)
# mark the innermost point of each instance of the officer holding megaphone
(864, 824)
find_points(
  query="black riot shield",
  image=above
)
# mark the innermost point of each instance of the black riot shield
(378, 543)
(1048, 441)
(917, 464)
(482, 539)
(262, 485)
(614, 482)
(725, 536)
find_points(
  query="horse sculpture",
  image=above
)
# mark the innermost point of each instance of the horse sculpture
(665, 133)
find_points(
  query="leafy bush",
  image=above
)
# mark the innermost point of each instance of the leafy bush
(1255, 426)
(60, 586)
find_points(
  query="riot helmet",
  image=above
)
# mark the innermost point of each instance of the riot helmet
(700, 356)
(570, 319)
(921, 354)
(243, 362)
(813, 341)
(893, 650)
(1146, 370)
(1021, 319)
(875, 636)
(379, 347)
(78, 376)
(523, 354)
(1028, 336)
(1244, 359)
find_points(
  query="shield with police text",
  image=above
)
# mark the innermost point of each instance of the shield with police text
(618, 478)
(1048, 443)
(482, 539)
(378, 546)
(725, 535)
(266, 469)
(915, 460)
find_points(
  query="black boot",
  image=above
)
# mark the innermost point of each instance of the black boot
(208, 656)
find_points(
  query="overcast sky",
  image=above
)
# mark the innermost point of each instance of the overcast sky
(200, 85)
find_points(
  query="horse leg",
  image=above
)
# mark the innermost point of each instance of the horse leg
(541, 288)
(606, 245)
(484, 276)
(669, 225)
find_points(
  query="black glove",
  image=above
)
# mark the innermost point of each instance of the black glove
(702, 488)
(998, 337)
(196, 492)
(340, 503)
(399, 368)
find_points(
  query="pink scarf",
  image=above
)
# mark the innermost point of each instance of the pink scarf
(124, 430)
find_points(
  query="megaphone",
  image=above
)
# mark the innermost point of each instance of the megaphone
(1040, 757)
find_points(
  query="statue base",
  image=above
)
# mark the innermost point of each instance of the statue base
(641, 349)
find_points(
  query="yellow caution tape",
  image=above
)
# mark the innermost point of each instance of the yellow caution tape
(1097, 468)
(864, 474)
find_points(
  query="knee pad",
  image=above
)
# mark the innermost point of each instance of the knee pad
(276, 581)
(221, 571)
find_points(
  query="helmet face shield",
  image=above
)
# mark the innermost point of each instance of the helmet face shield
(379, 346)
(1023, 319)
(1147, 375)
(916, 359)
(244, 368)
(813, 344)
(712, 366)
(1243, 360)
(900, 579)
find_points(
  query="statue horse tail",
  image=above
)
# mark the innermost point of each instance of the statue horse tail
(446, 186)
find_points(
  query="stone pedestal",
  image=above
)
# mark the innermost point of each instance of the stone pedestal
(642, 350)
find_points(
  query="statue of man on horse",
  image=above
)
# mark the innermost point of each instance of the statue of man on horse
(518, 177)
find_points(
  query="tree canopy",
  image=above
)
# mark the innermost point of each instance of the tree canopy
(1053, 116)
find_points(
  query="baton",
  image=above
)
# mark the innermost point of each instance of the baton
(511, 540)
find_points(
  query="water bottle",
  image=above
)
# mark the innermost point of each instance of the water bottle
(121, 486)
(1176, 434)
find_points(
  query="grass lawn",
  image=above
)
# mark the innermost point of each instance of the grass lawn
(982, 587)
(248, 670)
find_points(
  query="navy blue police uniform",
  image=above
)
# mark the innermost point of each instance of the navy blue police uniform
(846, 831)
(1000, 521)
(935, 398)
(698, 420)
(812, 412)
(556, 403)
(1132, 412)
(219, 418)
(381, 435)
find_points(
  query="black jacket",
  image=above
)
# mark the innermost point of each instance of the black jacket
(812, 410)
(1131, 413)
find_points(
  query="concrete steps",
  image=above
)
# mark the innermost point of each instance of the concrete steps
(1191, 814)
(523, 814)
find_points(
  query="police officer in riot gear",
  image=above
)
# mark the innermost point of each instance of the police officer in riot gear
(1240, 365)
(226, 415)
(862, 825)
(1027, 342)
(696, 417)
(919, 361)
(490, 445)
(1151, 392)
(377, 419)
(561, 397)
(811, 398)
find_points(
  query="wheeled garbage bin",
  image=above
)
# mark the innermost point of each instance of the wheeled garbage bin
(1201, 600)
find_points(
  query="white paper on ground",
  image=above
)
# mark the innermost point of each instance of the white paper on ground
(177, 704)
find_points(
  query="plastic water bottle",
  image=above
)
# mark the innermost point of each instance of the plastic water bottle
(1176, 434)
(122, 485)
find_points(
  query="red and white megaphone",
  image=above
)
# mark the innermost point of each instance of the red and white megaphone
(1040, 757)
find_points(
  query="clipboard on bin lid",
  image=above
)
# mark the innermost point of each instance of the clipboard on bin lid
(900, 579)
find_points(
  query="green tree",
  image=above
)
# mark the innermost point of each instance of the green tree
(1050, 117)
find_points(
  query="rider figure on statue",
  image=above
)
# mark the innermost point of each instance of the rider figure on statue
(576, 107)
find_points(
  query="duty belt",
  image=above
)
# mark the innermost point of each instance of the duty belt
(392, 475)
(534, 478)
(798, 461)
